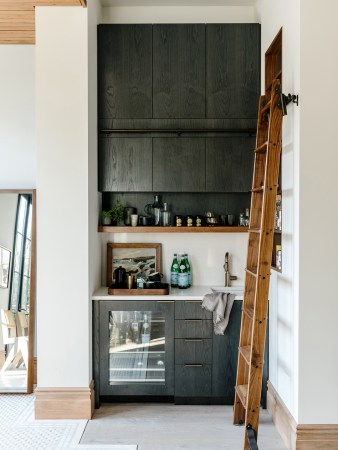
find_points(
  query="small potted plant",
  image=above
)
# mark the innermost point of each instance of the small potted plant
(106, 217)
(117, 213)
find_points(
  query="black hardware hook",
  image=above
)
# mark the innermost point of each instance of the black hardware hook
(285, 100)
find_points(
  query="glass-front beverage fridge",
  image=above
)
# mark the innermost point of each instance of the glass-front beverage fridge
(136, 348)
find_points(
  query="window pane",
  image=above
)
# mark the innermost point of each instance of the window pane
(29, 224)
(27, 259)
(22, 214)
(15, 291)
(25, 293)
(18, 253)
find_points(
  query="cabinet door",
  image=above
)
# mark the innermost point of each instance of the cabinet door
(179, 164)
(225, 353)
(232, 70)
(136, 348)
(125, 164)
(229, 164)
(124, 71)
(179, 71)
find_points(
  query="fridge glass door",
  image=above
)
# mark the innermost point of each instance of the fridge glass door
(136, 347)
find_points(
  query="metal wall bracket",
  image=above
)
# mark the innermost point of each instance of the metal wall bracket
(285, 100)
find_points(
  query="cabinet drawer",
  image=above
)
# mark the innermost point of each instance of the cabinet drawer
(193, 380)
(193, 351)
(193, 328)
(191, 309)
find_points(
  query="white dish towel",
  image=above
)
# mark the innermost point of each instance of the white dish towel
(220, 304)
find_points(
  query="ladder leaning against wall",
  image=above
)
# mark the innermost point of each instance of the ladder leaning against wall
(255, 302)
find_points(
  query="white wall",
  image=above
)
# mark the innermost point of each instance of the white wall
(94, 269)
(283, 325)
(62, 197)
(318, 248)
(17, 117)
(178, 14)
(206, 253)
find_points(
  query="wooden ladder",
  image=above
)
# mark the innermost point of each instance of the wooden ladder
(255, 302)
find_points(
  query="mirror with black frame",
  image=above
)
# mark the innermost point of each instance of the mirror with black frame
(17, 289)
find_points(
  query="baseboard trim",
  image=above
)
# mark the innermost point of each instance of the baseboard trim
(297, 436)
(317, 437)
(282, 418)
(64, 403)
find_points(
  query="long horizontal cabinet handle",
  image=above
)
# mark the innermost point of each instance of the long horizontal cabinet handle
(193, 340)
(193, 301)
(193, 320)
(193, 365)
(165, 301)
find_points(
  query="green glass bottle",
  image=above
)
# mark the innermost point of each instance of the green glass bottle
(183, 274)
(187, 263)
(174, 272)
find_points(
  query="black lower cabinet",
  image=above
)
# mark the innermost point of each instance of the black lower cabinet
(165, 350)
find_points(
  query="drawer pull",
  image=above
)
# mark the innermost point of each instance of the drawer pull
(193, 365)
(193, 340)
(165, 301)
(193, 301)
(193, 320)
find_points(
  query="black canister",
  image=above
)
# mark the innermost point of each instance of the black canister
(120, 277)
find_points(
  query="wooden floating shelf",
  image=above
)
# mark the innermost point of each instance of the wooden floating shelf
(115, 229)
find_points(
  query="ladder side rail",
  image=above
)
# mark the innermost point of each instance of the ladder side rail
(264, 265)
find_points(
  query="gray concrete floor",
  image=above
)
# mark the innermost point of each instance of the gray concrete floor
(174, 427)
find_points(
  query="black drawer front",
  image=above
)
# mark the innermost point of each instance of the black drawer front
(193, 351)
(191, 309)
(193, 328)
(193, 380)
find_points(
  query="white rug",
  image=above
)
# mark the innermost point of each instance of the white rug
(20, 431)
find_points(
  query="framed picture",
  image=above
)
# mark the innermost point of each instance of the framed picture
(134, 258)
(5, 262)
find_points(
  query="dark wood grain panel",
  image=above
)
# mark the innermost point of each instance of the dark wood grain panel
(179, 164)
(125, 164)
(192, 381)
(193, 351)
(184, 203)
(125, 71)
(179, 71)
(191, 309)
(181, 125)
(193, 328)
(229, 164)
(233, 70)
(225, 352)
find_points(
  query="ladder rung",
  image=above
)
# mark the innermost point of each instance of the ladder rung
(262, 148)
(254, 230)
(248, 312)
(258, 189)
(242, 391)
(245, 352)
(254, 274)
(266, 107)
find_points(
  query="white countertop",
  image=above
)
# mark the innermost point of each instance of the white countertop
(193, 293)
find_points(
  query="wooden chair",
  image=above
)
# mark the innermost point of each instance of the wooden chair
(10, 335)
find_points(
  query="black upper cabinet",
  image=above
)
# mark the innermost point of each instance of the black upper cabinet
(179, 164)
(178, 71)
(232, 70)
(125, 164)
(229, 163)
(124, 71)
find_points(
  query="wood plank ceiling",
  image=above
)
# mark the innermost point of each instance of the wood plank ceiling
(17, 18)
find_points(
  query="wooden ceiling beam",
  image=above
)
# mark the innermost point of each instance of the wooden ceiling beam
(17, 18)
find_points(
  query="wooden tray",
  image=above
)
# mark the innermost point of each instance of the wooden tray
(118, 291)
